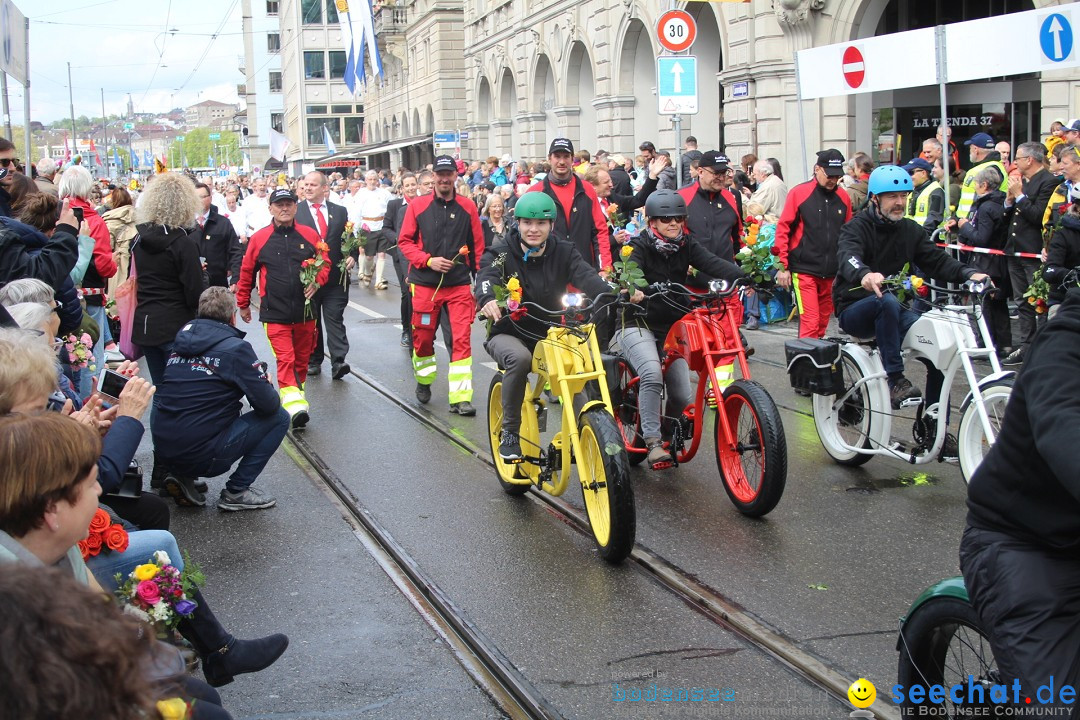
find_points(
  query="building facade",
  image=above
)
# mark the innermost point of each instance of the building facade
(261, 67)
(209, 113)
(587, 70)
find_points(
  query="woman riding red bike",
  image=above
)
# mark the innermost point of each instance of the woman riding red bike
(664, 252)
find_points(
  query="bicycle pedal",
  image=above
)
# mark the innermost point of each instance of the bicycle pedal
(910, 402)
(512, 461)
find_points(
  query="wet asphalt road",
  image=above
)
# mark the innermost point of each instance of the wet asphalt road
(832, 567)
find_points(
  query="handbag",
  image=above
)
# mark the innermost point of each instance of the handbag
(126, 297)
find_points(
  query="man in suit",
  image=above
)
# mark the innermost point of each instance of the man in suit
(328, 220)
(218, 243)
(395, 215)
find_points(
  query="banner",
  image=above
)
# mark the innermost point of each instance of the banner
(279, 144)
(331, 149)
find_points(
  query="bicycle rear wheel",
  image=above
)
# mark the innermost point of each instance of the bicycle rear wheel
(971, 438)
(530, 440)
(941, 643)
(605, 485)
(754, 471)
(850, 424)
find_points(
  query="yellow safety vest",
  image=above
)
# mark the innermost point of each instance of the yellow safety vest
(967, 190)
(922, 203)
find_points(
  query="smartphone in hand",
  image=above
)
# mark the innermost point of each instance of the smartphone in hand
(111, 384)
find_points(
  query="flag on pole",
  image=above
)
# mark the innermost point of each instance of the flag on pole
(279, 144)
(116, 160)
(67, 149)
(210, 160)
(365, 28)
(353, 61)
(134, 160)
(148, 159)
(329, 141)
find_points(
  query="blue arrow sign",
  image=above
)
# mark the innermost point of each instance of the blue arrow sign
(1056, 37)
(676, 84)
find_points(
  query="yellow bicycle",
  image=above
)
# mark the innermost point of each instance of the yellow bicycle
(568, 360)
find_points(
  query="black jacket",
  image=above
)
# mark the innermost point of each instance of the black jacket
(986, 229)
(1027, 486)
(587, 230)
(335, 228)
(170, 280)
(218, 243)
(714, 220)
(628, 203)
(30, 260)
(434, 227)
(688, 157)
(1062, 256)
(211, 369)
(1026, 224)
(620, 181)
(663, 312)
(393, 220)
(869, 244)
(543, 281)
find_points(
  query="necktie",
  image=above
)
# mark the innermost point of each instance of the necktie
(319, 219)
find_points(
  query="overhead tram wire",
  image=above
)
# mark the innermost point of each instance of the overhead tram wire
(206, 51)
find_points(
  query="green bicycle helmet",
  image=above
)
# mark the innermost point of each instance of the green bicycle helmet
(536, 205)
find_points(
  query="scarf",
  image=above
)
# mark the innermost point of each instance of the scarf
(666, 247)
(555, 181)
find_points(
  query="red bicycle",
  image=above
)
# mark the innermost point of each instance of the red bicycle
(751, 451)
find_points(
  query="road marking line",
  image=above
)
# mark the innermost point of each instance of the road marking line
(367, 311)
(491, 365)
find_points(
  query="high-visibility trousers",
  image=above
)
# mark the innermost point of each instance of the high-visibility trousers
(460, 307)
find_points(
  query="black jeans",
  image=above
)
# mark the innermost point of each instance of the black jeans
(329, 307)
(1022, 272)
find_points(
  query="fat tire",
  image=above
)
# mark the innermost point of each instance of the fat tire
(825, 427)
(626, 412)
(494, 427)
(622, 518)
(770, 431)
(971, 433)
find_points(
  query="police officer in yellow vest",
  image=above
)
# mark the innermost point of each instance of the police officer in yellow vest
(982, 153)
(926, 204)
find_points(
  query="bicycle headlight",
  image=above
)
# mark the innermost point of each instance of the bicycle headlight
(719, 286)
(572, 300)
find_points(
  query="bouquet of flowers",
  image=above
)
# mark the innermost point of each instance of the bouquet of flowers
(351, 240)
(1038, 293)
(309, 273)
(625, 273)
(159, 593)
(462, 255)
(78, 351)
(104, 535)
(904, 282)
(615, 219)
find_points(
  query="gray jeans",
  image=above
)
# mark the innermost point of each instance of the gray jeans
(638, 346)
(515, 360)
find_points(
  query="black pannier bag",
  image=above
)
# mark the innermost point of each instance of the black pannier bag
(814, 366)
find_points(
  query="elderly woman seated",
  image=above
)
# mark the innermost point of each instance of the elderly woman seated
(43, 503)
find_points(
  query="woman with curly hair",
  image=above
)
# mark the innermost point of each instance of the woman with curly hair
(166, 260)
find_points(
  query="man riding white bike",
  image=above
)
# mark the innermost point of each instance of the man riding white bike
(877, 243)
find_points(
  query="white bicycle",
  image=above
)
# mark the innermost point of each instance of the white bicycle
(852, 408)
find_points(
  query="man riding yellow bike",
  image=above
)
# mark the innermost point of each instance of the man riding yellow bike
(532, 267)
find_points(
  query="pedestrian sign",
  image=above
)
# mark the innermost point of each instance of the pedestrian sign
(676, 85)
(1056, 37)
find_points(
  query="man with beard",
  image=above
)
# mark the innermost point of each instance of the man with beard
(806, 241)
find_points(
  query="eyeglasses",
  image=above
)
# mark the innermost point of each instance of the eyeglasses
(669, 219)
(8, 161)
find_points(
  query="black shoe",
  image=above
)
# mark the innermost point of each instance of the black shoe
(1016, 357)
(406, 340)
(509, 446)
(950, 449)
(183, 491)
(157, 480)
(747, 347)
(902, 391)
(242, 656)
(463, 408)
(300, 419)
(339, 370)
(423, 393)
(314, 369)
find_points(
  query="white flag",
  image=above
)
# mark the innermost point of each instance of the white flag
(354, 63)
(365, 29)
(330, 147)
(278, 145)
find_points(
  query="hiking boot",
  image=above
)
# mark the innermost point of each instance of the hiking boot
(183, 491)
(339, 370)
(463, 408)
(658, 457)
(902, 391)
(300, 419)
(248, 499)
(509, 446)
(423, 393)
(1016, 357)
(950, 450)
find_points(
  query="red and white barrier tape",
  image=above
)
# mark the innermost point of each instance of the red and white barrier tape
(91, 291)
(990, 251)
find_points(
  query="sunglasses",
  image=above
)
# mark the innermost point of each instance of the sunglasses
(669, 219)
(9, 161)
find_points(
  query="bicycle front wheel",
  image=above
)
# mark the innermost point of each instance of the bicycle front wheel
(605, 485)
(942, 643)
(972, 440)
(512, 481)
(754, 471)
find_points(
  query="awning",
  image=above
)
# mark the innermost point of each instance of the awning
(387, 147)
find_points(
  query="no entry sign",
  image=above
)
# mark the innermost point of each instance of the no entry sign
(854, 67)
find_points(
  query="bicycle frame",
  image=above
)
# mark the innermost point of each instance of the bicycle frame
(567, 359)
(943, 337)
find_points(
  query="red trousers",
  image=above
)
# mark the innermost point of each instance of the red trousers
(460, 307)
(292, 345)
(813, 296)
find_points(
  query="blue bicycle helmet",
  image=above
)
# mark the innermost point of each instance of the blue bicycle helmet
(889, 178)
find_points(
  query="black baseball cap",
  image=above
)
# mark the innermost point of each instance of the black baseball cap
(282, 193)
(561, 145)
(831, 161)
(714, 160)
(444, 162)
(918, 164)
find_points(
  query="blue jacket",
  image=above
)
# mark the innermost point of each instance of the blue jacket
(211, 369)
(53, 259)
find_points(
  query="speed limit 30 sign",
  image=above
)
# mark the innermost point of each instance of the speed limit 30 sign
(676, 30)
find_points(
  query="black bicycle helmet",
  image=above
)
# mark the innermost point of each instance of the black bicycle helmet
(665, 203)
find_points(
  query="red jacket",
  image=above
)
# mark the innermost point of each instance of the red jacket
(102, 266)
(588, 230)
(276, 254)
(434, 227)
(809, 229)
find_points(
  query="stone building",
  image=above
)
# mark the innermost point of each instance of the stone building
(587, 70)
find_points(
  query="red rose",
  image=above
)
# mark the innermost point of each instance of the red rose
(93, 544)
(84, 550)
(922, 291)
(100, 521)
(115, 538)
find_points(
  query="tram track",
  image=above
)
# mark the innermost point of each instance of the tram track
(509, 689)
